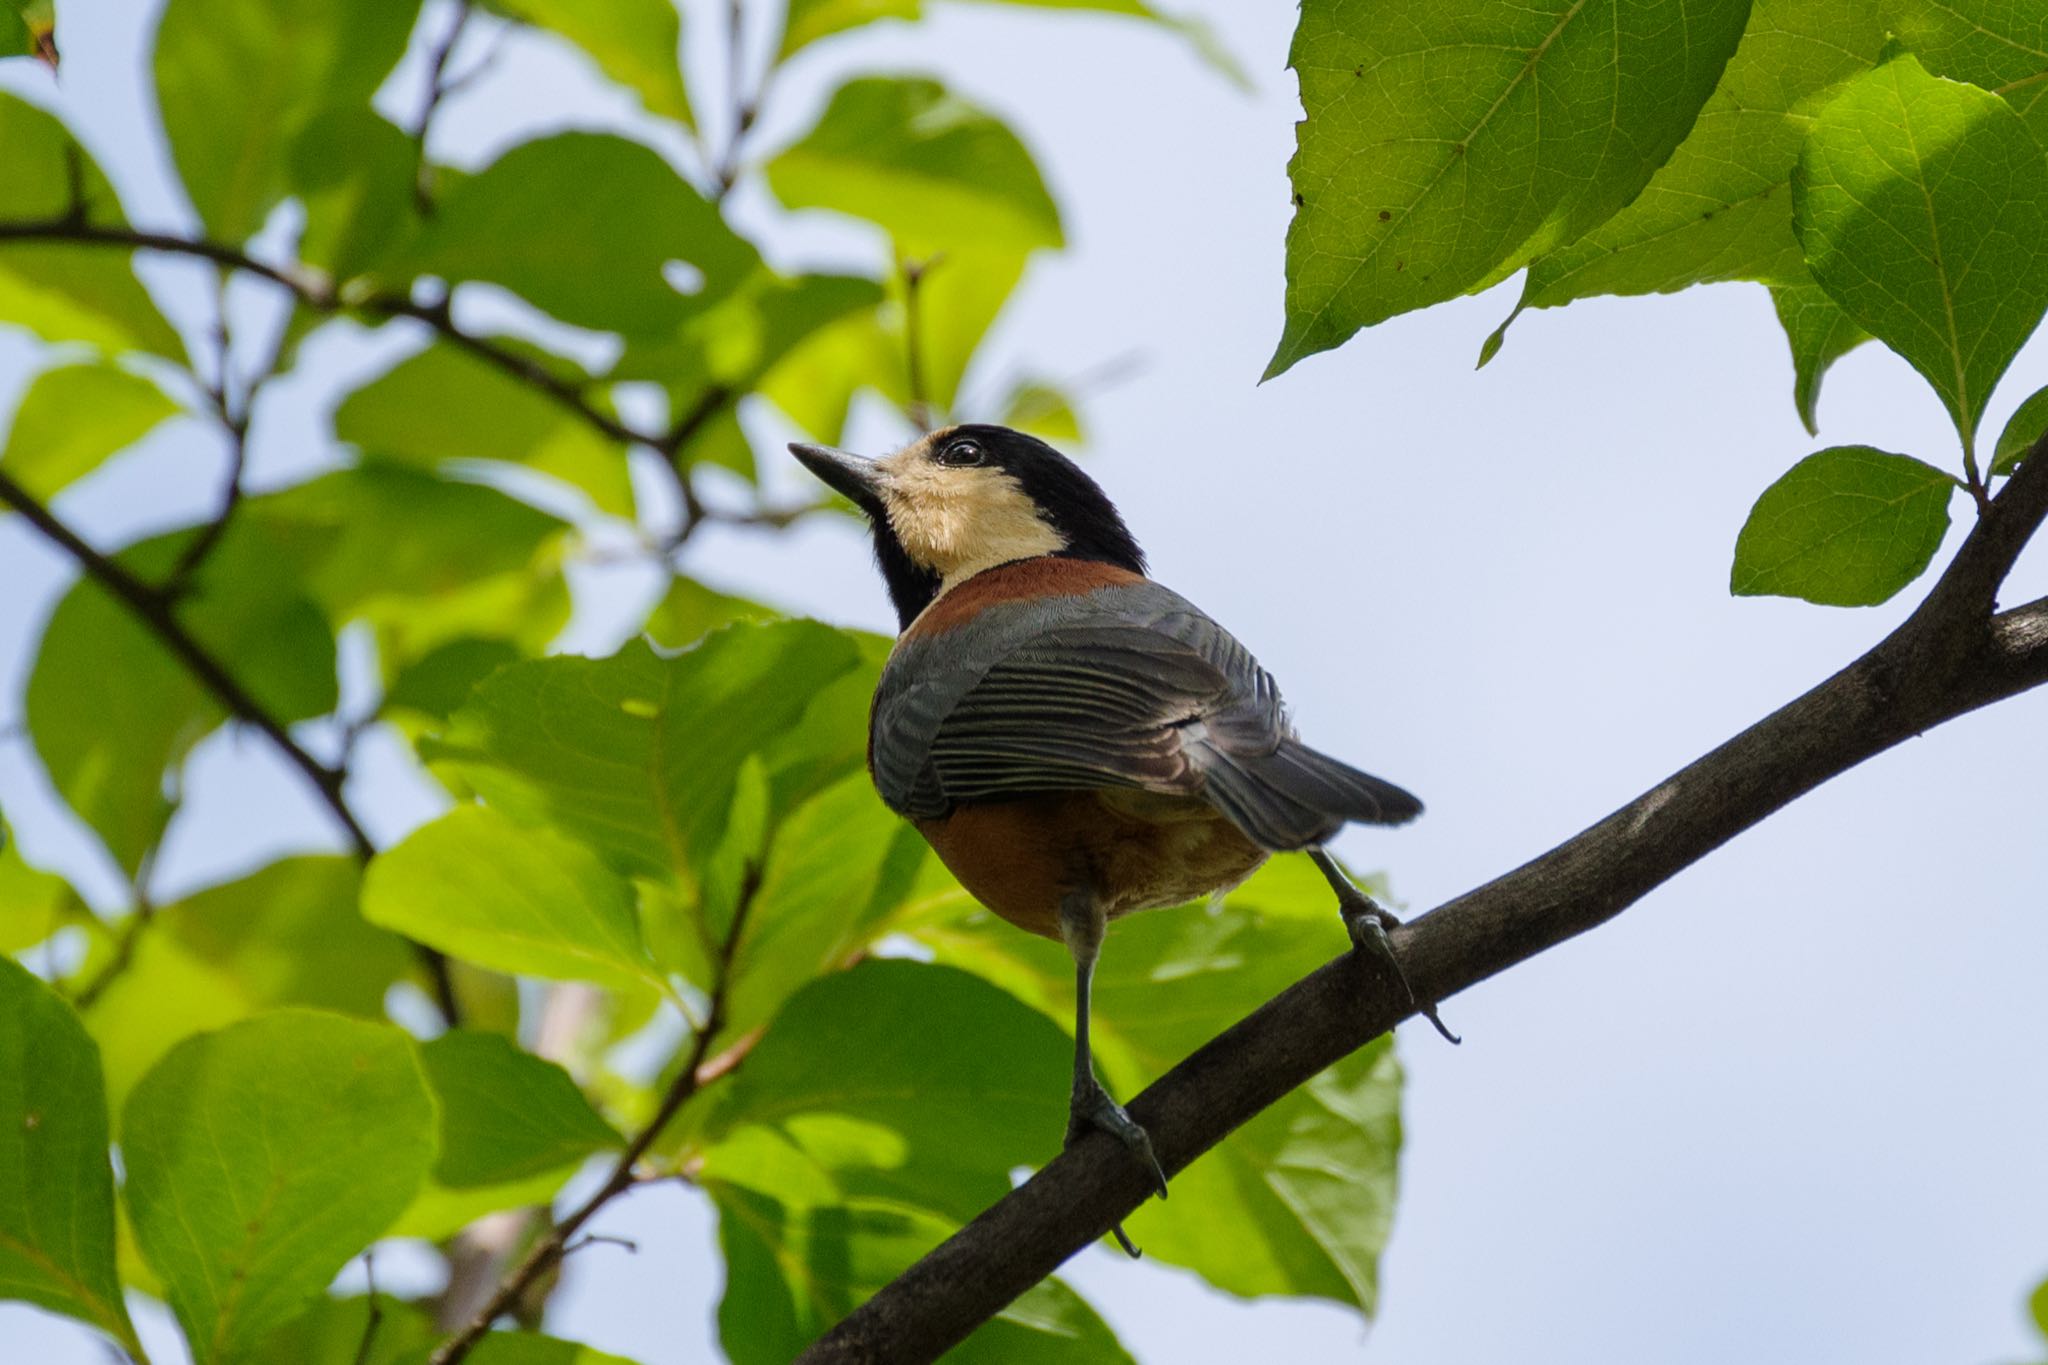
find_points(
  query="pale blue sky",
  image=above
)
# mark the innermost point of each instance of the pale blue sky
(1789, 1108)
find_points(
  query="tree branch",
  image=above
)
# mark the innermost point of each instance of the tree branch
(1947, 659)
(693, 1075)
(157, 613)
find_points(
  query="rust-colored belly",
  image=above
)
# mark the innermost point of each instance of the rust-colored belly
(1135, 850)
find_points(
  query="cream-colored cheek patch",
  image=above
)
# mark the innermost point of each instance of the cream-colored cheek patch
(958, 521)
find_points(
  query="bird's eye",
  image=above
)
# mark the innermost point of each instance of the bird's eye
(960, 453)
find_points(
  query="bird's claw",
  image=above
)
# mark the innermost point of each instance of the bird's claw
(1369, 922)
(1093, 1108)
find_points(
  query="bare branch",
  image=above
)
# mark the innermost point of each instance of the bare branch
(1933, 668)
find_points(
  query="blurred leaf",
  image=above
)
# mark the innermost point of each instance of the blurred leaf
(75, 416)
(356, 173)
(333, 1332)
(583, 226)
(1847, 527)
(1820, 333)
(1445, 148)
(2037, 1307)
(634, 42)
(1049, 1324)
(290, 934)
(33, 903)
(1721, 207)
(959, 296)
(932, 169)
(163, 996)
(261, 1158)
(285, 61)
(441, 1211)
(1993, 43)
(2022, 429)
(1043, 410)
(815, 383)
(1922, 205)
(1298, 1201)
(439, 681)
(689, 611)
(637, 755)
(15, 38)
(111, 711)
(506, 1114)
(530, 901)
(56, 1183)
(443, 405)
(59, 292)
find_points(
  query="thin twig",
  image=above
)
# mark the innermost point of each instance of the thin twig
(1930, 670)
(438, 89)
(920, 409)
(158, 614)
(549, 1250)
(376, 1315)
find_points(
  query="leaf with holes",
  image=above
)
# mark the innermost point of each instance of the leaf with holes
(260, 1159)
(1922, 206)
(1847, 527)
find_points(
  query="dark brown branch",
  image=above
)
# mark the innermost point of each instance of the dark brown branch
(438, 87)
(547, 1252)
(1932, 669)
(158, 614)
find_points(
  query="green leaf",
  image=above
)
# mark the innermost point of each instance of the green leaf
(958, 298)
(111, 710)
(1922, 206)
(72, 418)
(935, 171)
(637, 755)
(1721, 207)
(1043, 410)
(356, 173)
(59, 292)
(444, 407)
(690, 610)
(260, 1159)
(286, 61)
(506, 1114)
(1300, 1200)
(1993, 43)
(2022, 429)
(56, 1183)
(1819, 334)
(33, 904)
(1846, 527)
(514, 899)
(440, 680)
(1444, 149)
(2037, 1307)
(634, 42)
(333, 1332)
(583, 226)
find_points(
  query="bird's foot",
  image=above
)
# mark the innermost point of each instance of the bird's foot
(1369, 922)
(1093, 1108)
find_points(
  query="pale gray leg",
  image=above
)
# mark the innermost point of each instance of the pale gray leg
(1369, 922)
(1081, 925)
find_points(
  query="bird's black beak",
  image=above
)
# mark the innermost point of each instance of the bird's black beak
(844, 472)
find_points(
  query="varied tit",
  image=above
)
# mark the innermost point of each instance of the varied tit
(1073, 739)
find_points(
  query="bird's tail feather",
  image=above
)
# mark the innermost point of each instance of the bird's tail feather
(1294, 797)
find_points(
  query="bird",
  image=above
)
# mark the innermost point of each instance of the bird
(1075, 740)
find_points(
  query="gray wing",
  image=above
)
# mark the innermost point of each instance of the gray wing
(1128, 686)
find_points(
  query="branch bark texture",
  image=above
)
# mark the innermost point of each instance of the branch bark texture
(1950, 657)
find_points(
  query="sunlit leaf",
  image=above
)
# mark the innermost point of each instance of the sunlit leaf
(33, 903)
(584, 226)
(690, 610)
(935, 171)
(632, 41)
(56, 1184)
(444, 405)
(60, 292)
(529, 901)
(72, 418)
(637, 754)
(1721, 207)
(2022, 430)
(1043, 410)
(1993, 43)
(1922, 205)
(1819, 333)
(506, 1114)
(1847, 527)
(261, 1158)
(285, 61)
(1445, 147)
